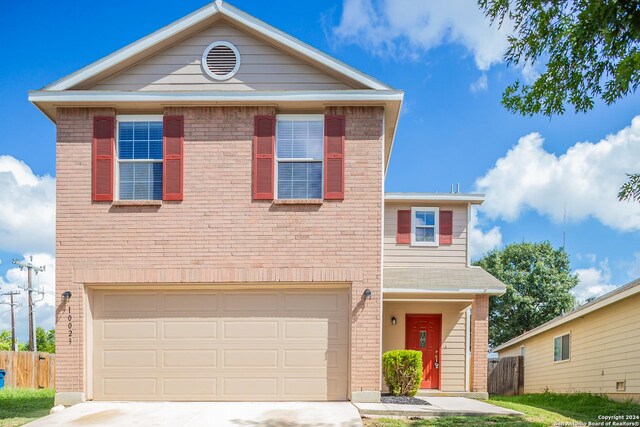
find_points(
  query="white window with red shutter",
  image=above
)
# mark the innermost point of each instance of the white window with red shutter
(299, 156)
(425, 228)
(139, 157)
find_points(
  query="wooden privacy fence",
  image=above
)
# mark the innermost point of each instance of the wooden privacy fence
(27, 369)
(507, 376)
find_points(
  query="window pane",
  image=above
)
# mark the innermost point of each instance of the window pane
(140, 181)
(425, 234)
(300, 139)
(557, 349)
(140, 140)
(425, 218)
(299, 180)
(565, 347)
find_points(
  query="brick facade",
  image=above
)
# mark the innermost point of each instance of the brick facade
(218, 234)
(479, 343)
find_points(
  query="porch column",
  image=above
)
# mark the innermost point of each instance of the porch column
(479, 342)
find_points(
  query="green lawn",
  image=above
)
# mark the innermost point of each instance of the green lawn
(540, 410)
(20, 406)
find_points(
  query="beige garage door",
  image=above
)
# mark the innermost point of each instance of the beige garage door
(224, 345)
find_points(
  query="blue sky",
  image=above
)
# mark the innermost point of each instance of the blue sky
(453, 128)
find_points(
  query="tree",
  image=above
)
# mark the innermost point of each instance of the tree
(45, 340)
(538, 280)
(631, 189)
(5, 340)
(591, 49)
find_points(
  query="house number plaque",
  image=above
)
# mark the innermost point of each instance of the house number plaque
(70, 325)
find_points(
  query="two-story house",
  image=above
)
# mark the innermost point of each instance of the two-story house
(222, 231)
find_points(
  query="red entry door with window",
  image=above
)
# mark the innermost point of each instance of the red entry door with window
(423, 334)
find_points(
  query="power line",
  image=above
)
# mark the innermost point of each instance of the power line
(32, 324)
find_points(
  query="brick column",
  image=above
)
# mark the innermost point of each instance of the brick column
(479, 343)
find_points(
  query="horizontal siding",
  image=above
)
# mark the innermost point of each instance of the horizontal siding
(453, 336)
(419, 256)
(262, 67)
(605, 348)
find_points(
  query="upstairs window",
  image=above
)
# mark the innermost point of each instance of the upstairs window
(561, 348)
(299, 156)
(139, 154)
(425, 226)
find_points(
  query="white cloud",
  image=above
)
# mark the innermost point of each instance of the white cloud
(406, 29)
(27, 208)
(594, 281)
(15, 280)
(633, 267)
(481, 242)
(480, 85)
(587, 178)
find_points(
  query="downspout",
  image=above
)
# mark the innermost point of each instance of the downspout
(384, 175)
(467, 350)
(468, 234)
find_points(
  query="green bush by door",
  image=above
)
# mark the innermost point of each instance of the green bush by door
(402, 371)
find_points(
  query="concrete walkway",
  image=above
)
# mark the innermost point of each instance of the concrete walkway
(200, 414)
(438, 407)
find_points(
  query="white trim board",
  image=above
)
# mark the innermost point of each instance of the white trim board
(206, 12)
(214, 96)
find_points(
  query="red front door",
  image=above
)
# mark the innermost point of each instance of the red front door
(423, 334)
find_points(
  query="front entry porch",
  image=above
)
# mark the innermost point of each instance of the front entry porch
(444, 313)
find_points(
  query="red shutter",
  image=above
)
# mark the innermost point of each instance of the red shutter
(264, 139)
(404, 227)
(446, 227)
(334, 157)
(172, 162)
(102, 164)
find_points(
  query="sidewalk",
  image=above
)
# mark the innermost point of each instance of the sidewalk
(438, 407)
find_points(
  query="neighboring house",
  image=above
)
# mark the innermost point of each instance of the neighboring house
(219, 227)
(594, 349)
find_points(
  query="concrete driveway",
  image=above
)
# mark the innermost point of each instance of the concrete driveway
(219, 414)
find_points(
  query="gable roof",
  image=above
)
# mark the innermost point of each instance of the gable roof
(190, 23)
(623, 292)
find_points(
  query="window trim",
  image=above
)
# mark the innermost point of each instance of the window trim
(436, 234)
(554, 348)
(131, 118)
(298, 118)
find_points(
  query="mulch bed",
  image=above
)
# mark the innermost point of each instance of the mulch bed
(403, 400)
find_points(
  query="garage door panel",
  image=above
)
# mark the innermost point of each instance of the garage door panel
(189, 358)
(258, 329)
(189, 387)
(305, 387)
(190, 303)
(130, 387)
(251, 387)
(313, 302)
(186, 351)
(257, 302)
(128, 358)
(115, 303)
(250, 358)
(129, 330)
(189, 329)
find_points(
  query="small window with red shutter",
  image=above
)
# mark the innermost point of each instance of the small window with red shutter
(299, 156)
(139, 154)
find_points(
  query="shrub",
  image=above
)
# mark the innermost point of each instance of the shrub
(402, 371)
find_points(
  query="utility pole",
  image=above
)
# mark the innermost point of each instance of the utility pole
(32, 324)
(14, 344)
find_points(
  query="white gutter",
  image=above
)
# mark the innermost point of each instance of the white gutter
(434, 197)
(452, 290)
(214, 96)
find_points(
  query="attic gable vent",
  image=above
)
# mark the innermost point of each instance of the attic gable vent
(221, 60)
